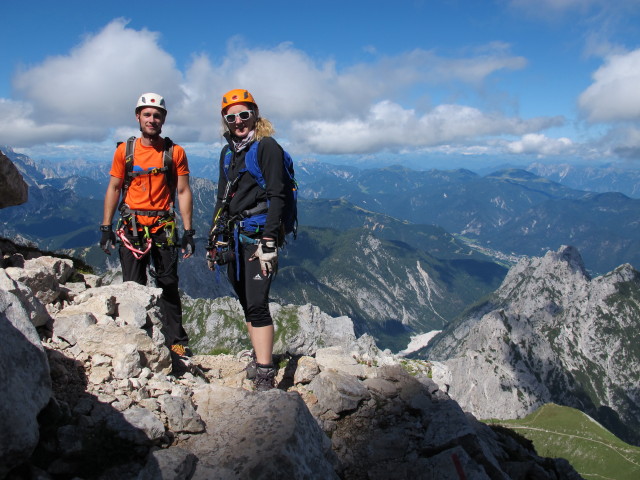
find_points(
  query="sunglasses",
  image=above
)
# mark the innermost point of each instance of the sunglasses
(245, 115)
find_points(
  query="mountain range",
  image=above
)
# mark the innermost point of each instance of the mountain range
(549, 333)
(549, 330)
(606, 178)
(509, 213)
(400, 251)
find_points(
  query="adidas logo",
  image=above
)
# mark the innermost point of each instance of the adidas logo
(257, 277)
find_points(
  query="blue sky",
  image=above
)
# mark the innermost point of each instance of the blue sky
(423, 83)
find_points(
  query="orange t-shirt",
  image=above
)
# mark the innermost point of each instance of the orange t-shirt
(148, 192)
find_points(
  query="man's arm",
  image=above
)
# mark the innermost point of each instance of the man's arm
(185, 201)
(111, 199)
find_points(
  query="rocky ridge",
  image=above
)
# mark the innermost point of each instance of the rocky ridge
(15, 190)
(100, 397)
(550, 333)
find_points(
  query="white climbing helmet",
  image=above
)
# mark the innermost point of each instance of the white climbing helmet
(151, 100)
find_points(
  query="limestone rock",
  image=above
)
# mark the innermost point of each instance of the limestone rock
(32, 306)
(169, 464)
(108, 339)
(274, 431)
(137, 425)
(25, 383)
(13, 188)
(122, 409)
(338, 392)
(181, 414)
(43, 276)
(550, 333)
(300, 330)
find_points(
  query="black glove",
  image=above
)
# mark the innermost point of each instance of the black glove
(108, 239)
(188, 245)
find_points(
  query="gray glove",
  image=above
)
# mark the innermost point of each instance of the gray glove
(267, 253)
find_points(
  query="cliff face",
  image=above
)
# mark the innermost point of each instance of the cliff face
(13, 189)
(550, 333)
(99, 397)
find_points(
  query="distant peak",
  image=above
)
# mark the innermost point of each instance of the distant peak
(571, 256)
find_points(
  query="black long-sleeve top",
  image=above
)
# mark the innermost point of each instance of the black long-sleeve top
(248, 193)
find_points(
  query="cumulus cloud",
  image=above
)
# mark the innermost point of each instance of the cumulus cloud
(622, 140)
(90, 93)
(18, 127)
(538, 144)
(291, 84)
(390, 126)
(93, 88)
(614, 94)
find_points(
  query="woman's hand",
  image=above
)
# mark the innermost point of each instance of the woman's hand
(267, 253)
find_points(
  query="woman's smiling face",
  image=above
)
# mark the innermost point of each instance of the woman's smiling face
(240, 128)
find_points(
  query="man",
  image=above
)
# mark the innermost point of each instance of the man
(148, 183)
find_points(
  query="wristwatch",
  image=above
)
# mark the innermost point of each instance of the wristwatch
(105, 228)
(191, 232)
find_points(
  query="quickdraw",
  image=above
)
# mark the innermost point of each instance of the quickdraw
(128, 222)
(169, 225)
(137, 253)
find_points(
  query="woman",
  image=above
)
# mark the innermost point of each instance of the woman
(246, 228)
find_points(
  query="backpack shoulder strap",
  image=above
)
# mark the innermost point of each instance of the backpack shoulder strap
(168, 152)
(131, 145)
(226, 163)
(128, 164)
(168, 167)
(252, 165)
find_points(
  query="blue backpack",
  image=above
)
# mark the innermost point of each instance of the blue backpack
(290, 212)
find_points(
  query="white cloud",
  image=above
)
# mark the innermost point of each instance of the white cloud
(538, 144)
(18, 127)
(623, 141)
(90, 95)
(291, 84)
(389, 126)
(614, 95)
(95, 87)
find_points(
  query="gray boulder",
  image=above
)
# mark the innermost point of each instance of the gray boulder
(258, 436)
(13, 189)
(33, 307)
(169, 464)
(25, 383)
(43, 276)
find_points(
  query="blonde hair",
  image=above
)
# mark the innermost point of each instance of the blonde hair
(264, 128)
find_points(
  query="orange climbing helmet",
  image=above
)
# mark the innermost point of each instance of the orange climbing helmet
(238, 95)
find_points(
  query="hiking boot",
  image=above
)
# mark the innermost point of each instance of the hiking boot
(251, 366)
(265, 378)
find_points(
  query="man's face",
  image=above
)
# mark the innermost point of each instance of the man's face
(151, 120)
